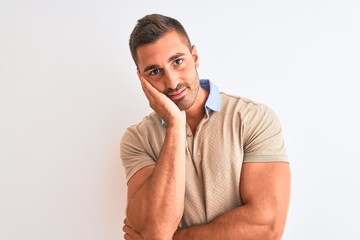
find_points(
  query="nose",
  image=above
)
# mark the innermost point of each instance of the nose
(171, 79)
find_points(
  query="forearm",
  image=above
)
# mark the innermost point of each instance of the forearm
(240, 223)
(156, 208)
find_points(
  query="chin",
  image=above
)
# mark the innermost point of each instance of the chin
(185, 106)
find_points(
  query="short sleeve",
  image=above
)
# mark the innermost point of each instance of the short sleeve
(263, 138)
(132, 152)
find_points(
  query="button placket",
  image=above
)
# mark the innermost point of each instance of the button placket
(189, 140)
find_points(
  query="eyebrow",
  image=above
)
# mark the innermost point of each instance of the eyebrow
(172, 58)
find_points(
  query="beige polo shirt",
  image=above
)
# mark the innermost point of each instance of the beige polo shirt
(241, 131)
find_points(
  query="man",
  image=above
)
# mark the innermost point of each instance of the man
(204, 164)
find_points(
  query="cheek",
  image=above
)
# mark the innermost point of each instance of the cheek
(190, 71)
(159, 86)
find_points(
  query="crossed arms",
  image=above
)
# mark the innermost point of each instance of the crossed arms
(156, 193)
(265, 194)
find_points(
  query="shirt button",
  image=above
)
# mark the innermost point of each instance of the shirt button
(189, 135)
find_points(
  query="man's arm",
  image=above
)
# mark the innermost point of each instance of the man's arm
(156, 193)
(265, 192)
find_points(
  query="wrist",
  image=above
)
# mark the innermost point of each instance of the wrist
(176, 123)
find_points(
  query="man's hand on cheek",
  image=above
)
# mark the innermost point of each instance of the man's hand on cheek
(162, 105)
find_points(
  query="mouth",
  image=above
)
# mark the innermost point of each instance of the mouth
(177, 95)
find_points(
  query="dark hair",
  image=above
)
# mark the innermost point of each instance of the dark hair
(152, 27)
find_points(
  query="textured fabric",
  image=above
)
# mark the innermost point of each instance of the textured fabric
(242, 131)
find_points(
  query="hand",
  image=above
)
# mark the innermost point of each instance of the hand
(130, 233)
(162, 105)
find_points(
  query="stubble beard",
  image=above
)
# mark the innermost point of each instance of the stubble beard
(189, 99)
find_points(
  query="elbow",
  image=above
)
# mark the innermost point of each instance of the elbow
(153, 228)
(152, 224)
(157, 236)
(151, 232)
(274, 227)
(271, 232)
(158, 233)
(274, 234)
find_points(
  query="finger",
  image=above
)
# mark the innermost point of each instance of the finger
(128, 237)
(154, 96)
(144, 82)
(130, 233)
(147, 88)
(127, 229)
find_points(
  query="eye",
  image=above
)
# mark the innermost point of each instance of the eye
(178, 61)
(154, 72)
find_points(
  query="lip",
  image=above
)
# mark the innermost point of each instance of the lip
(177, 95)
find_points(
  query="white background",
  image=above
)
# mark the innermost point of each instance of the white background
(68, 90)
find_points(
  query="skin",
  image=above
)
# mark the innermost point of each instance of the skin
(177, 78)
(167, 71)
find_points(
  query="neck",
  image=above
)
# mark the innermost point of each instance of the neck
(196, 113)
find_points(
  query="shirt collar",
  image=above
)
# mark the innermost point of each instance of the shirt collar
(213, 101)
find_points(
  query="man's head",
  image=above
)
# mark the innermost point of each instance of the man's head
(165, 58)
(152, 27)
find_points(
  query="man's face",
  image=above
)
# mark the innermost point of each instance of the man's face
(170, 66)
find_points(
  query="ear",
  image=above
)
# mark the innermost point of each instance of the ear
(195, 55)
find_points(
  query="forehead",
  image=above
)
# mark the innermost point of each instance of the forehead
(162, 49)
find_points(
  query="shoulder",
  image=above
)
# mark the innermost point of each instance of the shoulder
(147, 134)
(148, 123)
(244, 106)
